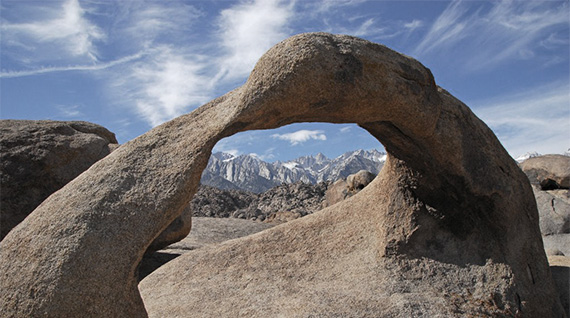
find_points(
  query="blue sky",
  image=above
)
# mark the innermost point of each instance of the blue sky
(131, 65)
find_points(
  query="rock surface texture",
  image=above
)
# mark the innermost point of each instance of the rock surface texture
(38, 157)
(448, 228)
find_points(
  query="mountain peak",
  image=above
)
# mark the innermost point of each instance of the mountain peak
(526, 156)
(320, 157)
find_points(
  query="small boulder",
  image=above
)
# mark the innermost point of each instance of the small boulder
(359, 180)
(343, 189)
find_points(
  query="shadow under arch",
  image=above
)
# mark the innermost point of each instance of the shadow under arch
(457, 196)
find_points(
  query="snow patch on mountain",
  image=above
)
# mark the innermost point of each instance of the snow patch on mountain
(526, 156)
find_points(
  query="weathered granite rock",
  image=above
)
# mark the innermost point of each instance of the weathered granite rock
(38, 157)
(449, 227)
(342, 189)
(176, 231)
(554, 210)
(205, 231)
(548, 171)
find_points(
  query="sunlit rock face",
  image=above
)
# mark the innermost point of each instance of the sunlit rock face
(448, 228)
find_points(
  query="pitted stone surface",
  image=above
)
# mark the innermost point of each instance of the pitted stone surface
(448, 228)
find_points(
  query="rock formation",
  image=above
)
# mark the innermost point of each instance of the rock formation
(38, 157)
(298, 198)
(550, 177)
(548, 171)
(448, 228)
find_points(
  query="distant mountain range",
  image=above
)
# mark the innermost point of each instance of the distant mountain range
(249, 173)
(533, 154)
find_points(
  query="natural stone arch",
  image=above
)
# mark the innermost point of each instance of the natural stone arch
(452, 196)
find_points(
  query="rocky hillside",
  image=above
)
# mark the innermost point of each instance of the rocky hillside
(281, 203)
(249, 173)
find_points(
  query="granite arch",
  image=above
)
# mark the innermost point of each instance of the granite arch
(455, 198)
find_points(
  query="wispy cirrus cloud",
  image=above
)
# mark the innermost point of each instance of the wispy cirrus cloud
(164, 85)
(535, 120)
(483, 38)
(174, 79)
(147, 23)
(301, 136)
(62, 29)
(70, 111)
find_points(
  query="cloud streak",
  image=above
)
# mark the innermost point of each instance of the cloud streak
(301, 136)
(484, 38)
(91, 67)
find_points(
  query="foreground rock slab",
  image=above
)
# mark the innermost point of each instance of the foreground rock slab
(448, 228)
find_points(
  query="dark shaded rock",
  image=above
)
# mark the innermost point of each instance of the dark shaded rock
(38, 157)
(560, 267)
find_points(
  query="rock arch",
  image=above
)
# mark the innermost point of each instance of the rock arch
(450, 199)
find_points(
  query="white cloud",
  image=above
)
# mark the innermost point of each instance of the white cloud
(174, 77)
(164, 85)
(509, 30)
(301, 136)
(247, 31)
(537, 120)
(345, 129)
(65, 28)
(233, 152)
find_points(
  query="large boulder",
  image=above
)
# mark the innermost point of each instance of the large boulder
(448, 228)
(554, 211)
(38, 157)
(548, 171)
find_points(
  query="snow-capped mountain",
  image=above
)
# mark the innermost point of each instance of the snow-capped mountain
(527, 155)
(248, 172)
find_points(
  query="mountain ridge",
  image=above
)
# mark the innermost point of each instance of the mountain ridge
(250, 173)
